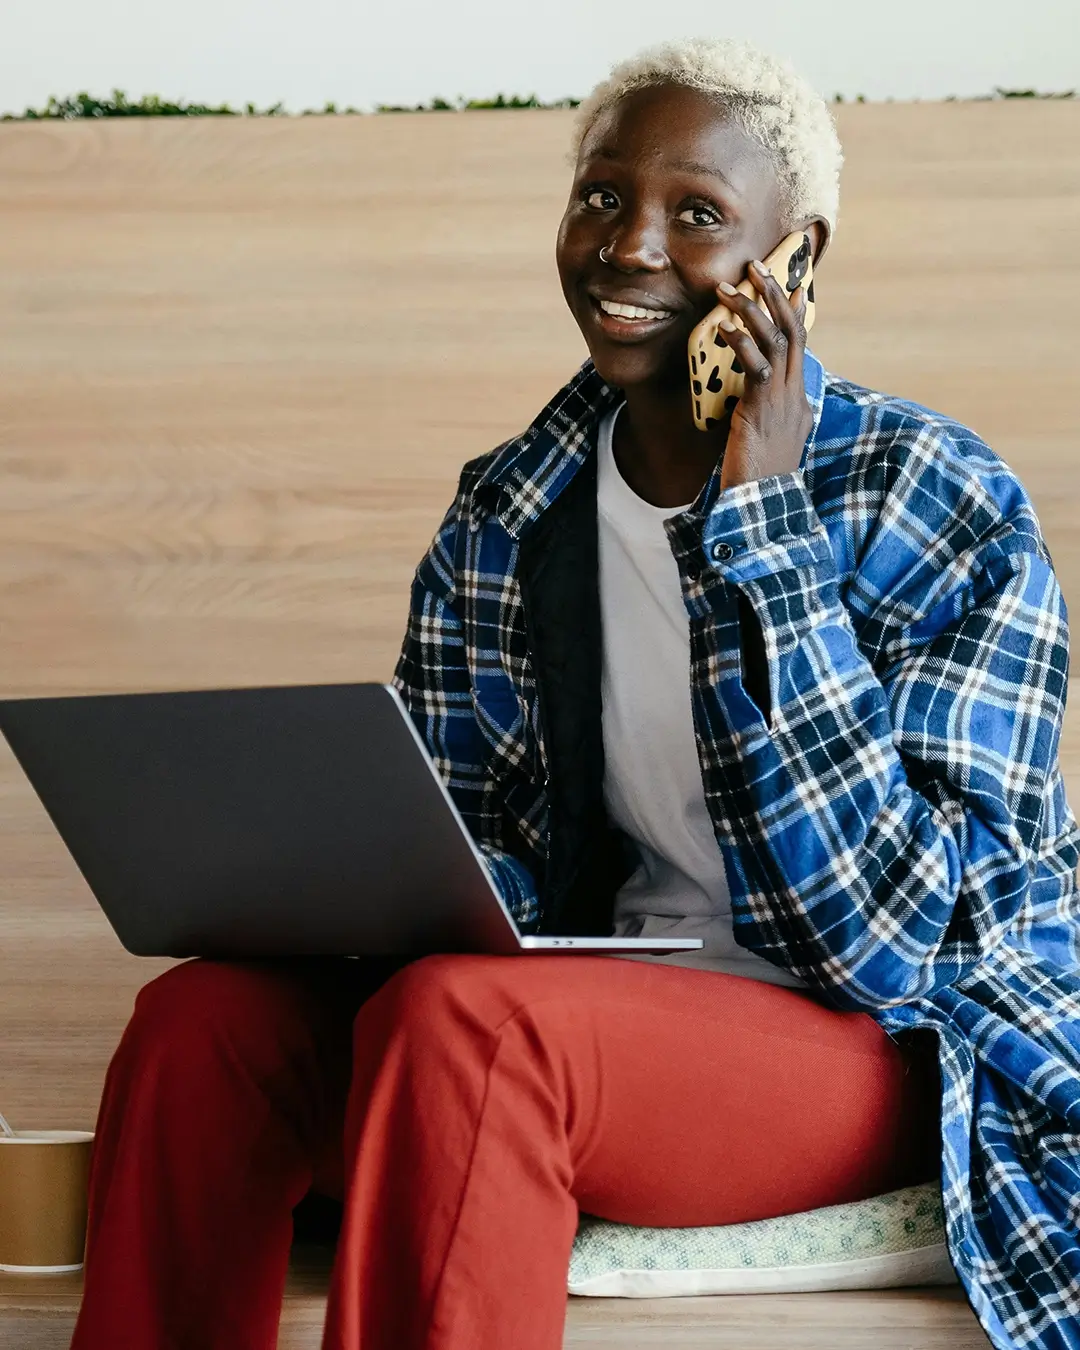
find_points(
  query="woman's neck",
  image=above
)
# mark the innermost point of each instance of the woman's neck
(660, 452)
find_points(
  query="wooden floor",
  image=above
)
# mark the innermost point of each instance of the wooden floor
(38, 1313)
(240, 366)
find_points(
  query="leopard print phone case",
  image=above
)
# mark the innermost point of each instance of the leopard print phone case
(716, 377)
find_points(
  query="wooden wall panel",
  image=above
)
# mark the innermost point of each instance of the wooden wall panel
(242, 362)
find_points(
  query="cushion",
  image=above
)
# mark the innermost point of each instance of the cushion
(887, 1242)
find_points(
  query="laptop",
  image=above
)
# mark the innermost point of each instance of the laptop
(293, 821)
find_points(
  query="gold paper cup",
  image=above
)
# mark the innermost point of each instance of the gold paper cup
(43, 1184)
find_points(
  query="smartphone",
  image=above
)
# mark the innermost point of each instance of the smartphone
(716, 378)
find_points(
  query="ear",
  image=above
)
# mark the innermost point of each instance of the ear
(820, 232)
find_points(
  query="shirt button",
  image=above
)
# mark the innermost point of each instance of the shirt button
(723, 551)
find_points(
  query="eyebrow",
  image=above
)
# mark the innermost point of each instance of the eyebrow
(684, 166)
(708, 171)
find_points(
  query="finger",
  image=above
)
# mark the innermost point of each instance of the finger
(785, 310)
(769, 338)
(750, 360)
(798, 345)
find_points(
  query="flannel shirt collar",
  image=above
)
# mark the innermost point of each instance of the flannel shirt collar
(529, 472)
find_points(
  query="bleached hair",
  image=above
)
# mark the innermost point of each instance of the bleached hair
(764, 94)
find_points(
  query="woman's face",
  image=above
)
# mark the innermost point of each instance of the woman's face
(682, 199)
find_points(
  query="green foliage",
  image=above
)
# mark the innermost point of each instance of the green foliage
(84, 106)
(473, 104)
(328, 109)
(979, 98)
(501, 101)
(1031, 93)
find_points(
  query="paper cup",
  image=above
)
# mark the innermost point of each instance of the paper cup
(43, 1184)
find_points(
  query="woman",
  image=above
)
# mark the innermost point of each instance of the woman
(794, 685)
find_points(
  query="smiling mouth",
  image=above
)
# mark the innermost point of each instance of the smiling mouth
(635, 313)
(628, 323)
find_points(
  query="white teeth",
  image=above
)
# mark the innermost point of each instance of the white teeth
(633, 311)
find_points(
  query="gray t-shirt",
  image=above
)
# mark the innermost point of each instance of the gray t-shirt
(652, 779)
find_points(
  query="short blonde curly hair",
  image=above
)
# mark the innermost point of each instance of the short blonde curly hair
(764, 95)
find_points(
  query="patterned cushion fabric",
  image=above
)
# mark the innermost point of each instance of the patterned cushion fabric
(888, 1242)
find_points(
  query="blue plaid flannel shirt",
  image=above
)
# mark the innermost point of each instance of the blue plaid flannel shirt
(899, 835)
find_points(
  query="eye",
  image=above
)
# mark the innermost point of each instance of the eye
(701, 215)
(599, 199)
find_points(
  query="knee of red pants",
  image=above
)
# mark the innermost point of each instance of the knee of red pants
(420, 1003)
(192, 1002)
(173, 1011)
(211, 1037)
(438, 995)
(204, 1024)
(445, 1020)
(172, 1043)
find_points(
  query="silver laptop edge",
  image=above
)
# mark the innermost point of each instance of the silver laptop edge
(529, 942)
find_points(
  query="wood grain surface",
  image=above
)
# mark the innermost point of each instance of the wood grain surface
(40, 1314)
(242, 362)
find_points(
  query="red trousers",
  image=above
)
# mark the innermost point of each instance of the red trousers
(465, 1108)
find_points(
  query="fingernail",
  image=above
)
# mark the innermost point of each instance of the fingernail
(760, 267)
(727, 288)
(728, 327)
